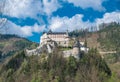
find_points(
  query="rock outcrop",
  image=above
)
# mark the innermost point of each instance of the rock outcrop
(48, 47)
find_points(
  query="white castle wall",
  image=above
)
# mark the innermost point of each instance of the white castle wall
(61, 39)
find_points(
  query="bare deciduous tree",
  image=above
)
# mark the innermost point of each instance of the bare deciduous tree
(2, 9)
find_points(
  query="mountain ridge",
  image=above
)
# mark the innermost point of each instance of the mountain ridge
(10, 44)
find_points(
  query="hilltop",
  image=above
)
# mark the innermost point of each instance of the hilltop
(55, 68)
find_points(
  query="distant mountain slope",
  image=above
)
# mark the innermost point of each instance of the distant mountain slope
(106, 39)
(109, 37)
(9, 44)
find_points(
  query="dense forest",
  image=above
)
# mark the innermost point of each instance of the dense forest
(54, 68)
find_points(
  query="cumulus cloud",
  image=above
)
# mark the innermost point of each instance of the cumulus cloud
(24, 31)
(108, 18)
(23, 8)
(76, 22)
(95, 4)
(50, 6)
(65, 23)
(62, 24)
(30, 8)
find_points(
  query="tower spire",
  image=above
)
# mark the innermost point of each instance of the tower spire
(50, 31)
(67, 31)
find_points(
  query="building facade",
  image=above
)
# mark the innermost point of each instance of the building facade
(61, 38)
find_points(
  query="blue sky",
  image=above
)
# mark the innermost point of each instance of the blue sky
(29, 18)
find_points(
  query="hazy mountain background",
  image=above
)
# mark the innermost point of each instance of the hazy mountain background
(10, 44)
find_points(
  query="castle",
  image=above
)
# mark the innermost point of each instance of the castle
(61, 38)
(49, 41)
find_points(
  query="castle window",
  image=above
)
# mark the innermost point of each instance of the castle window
(65, 42)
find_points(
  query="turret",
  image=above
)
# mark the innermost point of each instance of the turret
(76, 49)
(67, 32)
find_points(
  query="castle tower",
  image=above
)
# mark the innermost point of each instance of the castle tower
(76, 49)
(67, 32)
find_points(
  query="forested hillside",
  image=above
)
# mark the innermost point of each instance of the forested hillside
(107, 39)
(55, 68)
(111, 42)
(9, 44)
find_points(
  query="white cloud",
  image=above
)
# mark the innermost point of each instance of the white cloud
(108, 18)
(30, 8)
(50, 6)
(65, 23)
(95, 4)
(23, 8)
(24, 31)
(62, 24)
(76, 22)
(38, 28)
